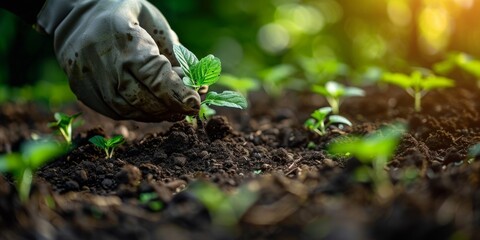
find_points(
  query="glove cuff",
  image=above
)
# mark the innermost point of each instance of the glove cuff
(53, 13)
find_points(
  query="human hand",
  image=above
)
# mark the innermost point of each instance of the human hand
(119, 59)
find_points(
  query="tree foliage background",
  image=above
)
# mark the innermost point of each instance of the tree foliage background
(308, 37)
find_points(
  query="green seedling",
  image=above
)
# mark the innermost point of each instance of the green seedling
(417, 85)
(206, 72)
(322, 70)
(151, 201)
(22, 165)
(225, 209)
(462, 61)
(277, 78)
(64, 124)
(373, 151)
(107, 144)
(243, 85)
(335, 92)
(320, 120)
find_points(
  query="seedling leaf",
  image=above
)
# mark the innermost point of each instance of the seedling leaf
(189, 82)
(207, 71)
(186, 59)
(115, 141)
(339, 119)
(108, 145)
(226, 99)
(38, 152)
(98, 141)
(321, 113)
(206, 112)
(432, 82)
(398, 79)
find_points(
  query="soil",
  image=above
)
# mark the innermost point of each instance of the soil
(272, 184)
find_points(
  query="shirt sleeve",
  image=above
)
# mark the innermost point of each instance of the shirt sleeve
(25, 9)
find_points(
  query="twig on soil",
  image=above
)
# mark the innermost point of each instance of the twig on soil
(292, 166)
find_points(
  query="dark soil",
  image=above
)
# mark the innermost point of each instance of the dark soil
(258, 156)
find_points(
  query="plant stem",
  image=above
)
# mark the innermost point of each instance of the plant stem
(334, 103)
(24, 185)
(418, 98)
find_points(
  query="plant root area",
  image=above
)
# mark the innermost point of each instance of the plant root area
(253, 174)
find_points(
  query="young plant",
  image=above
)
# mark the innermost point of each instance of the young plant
(203, 73)
(335, 92)
(22, 165)
(243, 85)
(417, 85)
(107, 144)
(462, 61)
(320, 120)
(225, 209)
(64, 124)
(373, 151)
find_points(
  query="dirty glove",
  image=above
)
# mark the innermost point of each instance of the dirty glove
(118, 57)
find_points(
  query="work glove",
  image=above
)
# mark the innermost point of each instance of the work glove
(118, 55)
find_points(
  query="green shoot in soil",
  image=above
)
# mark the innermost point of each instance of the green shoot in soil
(225, 209)
(417, 85)
(64, 124)
(461, 60)
(319, 120)
(22, 165)
(335, 92)
(374, 151)
(206, 72)
(108, 145)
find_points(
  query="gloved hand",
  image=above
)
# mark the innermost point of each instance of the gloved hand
(118, 57)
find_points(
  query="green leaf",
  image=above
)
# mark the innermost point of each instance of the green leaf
(472, 67)
(378, 145)
(335, 89)
(432, 82)
(115, 141)
(399, 79)
(11, 162)
(207, 71)
(37, 153)
(321, 113)
(320, 90)
(226, 99)
(354, 92)
(186, 59)
(98, 141)
(189, 82)
(242, 85)
(339, 119)
(206, 112)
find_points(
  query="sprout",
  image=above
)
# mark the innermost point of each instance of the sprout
(374, 151)
(317, 122)
(108, 145)
(335, 92)
(416, 85)
(64, 124)
(22, 165)
(206, 72)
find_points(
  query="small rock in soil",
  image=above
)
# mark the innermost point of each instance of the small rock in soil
(71, 185)
(82, 176)
(107, 183)
(180, 160)
(129, 175)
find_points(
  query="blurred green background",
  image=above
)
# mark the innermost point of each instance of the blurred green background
(279, 43)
